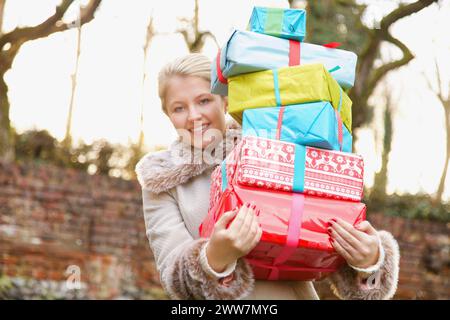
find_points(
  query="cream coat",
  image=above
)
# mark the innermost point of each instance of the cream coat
(175, 190)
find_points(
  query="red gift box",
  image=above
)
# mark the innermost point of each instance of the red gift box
(272, 164)
(294, 244)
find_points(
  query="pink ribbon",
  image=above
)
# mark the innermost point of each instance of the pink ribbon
(293, 233)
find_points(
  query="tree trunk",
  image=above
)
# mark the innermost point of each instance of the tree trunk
(378, 193)
(441, 187)
(6, 136)
(68, 136)
(148, 40)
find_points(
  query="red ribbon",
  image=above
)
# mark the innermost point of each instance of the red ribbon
(280, 122)
(294, 60)
(294, 53)
(332, 45)
(219, 71)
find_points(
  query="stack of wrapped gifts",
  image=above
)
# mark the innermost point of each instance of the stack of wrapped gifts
(294, 160)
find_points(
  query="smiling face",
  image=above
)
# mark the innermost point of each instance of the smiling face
(197, 115)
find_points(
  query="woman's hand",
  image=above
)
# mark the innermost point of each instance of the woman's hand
(226, 245)
(358, 245)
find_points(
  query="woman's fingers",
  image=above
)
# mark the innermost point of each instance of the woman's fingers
(253, 242)
(239, 220)
(250, 216)
(347, 247)
(254, 235)
(339, 249)
(350, 229)
(348, 237)
(248, 232)
(225, 219)
(360, 253)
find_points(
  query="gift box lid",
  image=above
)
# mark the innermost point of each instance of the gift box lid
(279, 22)
(247, 51)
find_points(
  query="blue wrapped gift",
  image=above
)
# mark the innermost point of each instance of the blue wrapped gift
(282, 23)
(248, 51)
(310, 124)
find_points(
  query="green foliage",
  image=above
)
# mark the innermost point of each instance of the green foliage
(36, 144)
(104, 152)
(336, 21)
(413, 206)
(99, 157)
(41, 146)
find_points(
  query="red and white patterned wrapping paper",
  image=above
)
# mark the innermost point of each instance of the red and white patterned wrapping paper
(269, 164)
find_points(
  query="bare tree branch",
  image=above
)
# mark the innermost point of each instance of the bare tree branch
(149, 34)
(427, 80)
(367, 76)
(10, 44)
(68, 136)
(148, 39)
(445, 101)
(196, 43)
(2, 11)
(212, 36)
(404, 11)
(51, 25)
(384, 69)
(437, 91)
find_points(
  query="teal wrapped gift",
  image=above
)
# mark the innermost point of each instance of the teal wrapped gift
(247, 52)
(282, 23)
(315, 124)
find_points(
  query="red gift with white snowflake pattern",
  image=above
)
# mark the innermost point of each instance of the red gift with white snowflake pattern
(284, 166)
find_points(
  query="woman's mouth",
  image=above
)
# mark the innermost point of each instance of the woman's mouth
(200, 129)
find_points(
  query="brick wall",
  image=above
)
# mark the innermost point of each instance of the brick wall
(424, 261)
(54, 221)
(53, 218)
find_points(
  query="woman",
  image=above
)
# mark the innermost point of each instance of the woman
(175, 188)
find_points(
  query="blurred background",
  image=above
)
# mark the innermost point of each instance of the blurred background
(79, 107)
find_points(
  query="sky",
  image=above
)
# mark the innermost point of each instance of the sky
(110, 91)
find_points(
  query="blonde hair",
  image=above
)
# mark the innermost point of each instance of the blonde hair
(194, 64)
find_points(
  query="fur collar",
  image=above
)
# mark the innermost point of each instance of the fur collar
(163, 170)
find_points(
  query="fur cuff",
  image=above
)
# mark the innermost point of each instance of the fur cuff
(348, 283)
(187, 279)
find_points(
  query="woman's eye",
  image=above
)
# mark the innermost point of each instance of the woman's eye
(204, 101)
(178, 109)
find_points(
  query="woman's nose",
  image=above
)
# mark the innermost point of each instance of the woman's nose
(194, 114)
